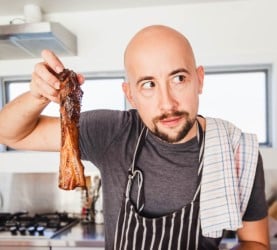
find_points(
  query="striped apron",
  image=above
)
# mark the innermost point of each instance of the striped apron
(177, 230)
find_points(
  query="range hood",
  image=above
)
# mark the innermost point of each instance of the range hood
(27, 40)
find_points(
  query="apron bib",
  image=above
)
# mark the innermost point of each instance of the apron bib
(177, 230)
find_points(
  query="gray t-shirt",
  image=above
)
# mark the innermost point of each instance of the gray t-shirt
(108, 139)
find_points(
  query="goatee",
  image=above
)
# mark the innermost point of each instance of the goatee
(181, 133)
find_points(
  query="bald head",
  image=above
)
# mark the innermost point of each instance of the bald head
(157, 37)
(163, 82)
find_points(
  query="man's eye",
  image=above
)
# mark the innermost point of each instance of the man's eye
(148, 85)
(179, 79)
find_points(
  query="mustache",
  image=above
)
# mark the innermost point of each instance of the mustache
(170, 114)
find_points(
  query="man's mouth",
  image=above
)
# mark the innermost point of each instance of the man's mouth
(171, 121)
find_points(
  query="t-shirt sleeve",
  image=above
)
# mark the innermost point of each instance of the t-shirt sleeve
(102, 133)
(257, 206)
(97, 130)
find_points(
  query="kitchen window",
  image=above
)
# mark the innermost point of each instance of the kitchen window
(101, 92)
(241, 96)
(238, 94)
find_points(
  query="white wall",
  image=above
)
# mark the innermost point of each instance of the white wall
(239, 32)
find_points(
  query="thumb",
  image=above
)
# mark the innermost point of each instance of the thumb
(81, 78)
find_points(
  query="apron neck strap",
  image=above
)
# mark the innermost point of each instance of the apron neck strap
(135, 172)
(143, 135)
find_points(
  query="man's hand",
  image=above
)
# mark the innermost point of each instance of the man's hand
(44, 84)
(21, 125)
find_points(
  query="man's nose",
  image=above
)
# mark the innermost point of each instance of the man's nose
(167, 100)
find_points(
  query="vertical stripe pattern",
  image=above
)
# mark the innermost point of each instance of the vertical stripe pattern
(179, 230)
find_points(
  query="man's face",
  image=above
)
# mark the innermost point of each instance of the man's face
(164, 86)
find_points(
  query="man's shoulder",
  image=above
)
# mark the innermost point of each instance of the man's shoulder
(110, 114)
(213, 123)
(219, 121)
(220, 128)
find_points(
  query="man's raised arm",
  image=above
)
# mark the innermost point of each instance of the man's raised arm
(21, 124)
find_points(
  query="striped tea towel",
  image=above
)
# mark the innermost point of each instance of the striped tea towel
(230, 160)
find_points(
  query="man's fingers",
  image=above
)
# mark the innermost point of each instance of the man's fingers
(81, 78)
(52, 61)
(42, 70)
(39, 88)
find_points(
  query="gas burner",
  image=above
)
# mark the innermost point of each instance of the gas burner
(23, 224)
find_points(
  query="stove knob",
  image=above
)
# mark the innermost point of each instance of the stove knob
(31, 230)
(22, 230)
(40, 230)
(13, 230)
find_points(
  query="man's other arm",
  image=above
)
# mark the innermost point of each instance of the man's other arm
(253, 235)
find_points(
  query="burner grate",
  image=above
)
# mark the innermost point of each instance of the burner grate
(44, 225)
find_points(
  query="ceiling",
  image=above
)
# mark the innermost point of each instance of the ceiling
(15, 7)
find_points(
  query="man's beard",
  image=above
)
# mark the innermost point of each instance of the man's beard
(181, 133)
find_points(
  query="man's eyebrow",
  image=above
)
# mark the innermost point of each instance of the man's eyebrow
(144, 78)
(181, 70)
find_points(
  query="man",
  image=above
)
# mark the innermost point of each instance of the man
(154, 159)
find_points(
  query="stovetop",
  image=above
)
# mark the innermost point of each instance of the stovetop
(44, 225)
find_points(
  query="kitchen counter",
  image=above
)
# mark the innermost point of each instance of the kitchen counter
(80, 237)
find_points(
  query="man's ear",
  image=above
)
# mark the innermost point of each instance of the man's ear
(127, 91)
(200, 74)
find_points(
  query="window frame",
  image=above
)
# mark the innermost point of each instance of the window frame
(251, 68)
